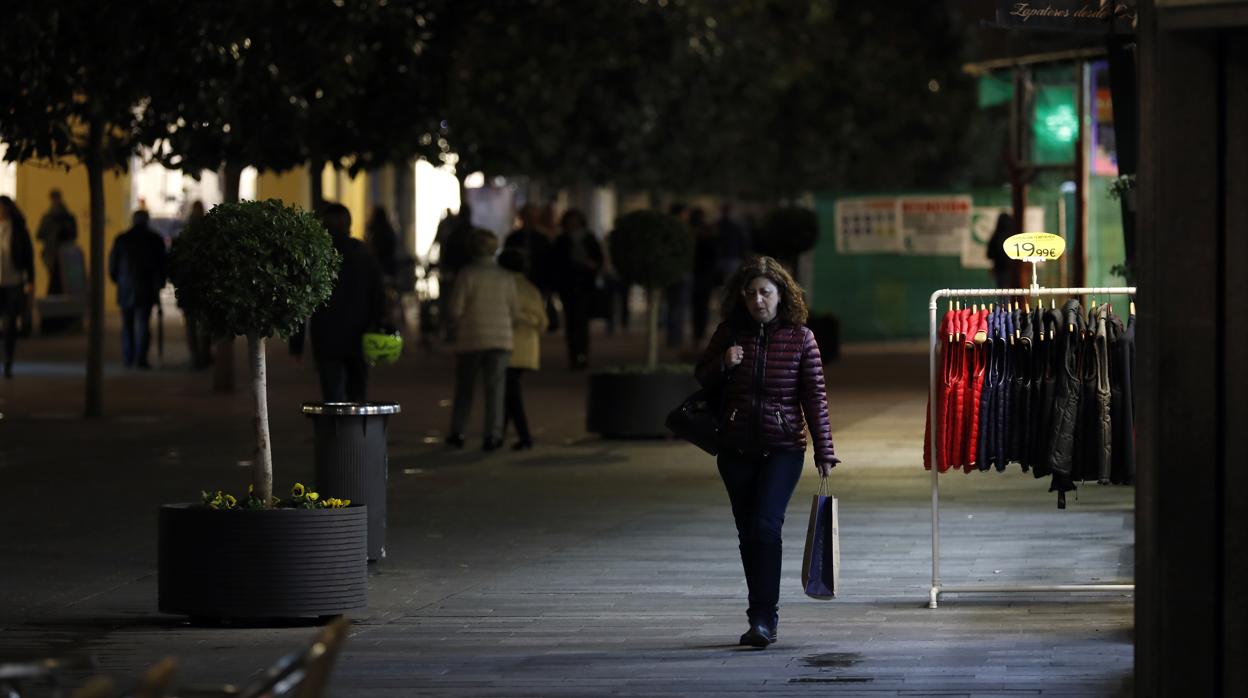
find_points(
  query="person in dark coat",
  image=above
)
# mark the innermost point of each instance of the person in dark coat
(137, 265)
(766, 365)
(578, 260)
(1003, 268)
(17, 274)
(57, 227)
(357, 304)
(383, 241)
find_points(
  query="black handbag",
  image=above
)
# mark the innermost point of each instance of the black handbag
(696, 420)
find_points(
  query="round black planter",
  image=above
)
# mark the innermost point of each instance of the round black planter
(263, 563)
(634, 405)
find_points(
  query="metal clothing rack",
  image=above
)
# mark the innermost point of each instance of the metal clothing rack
(1034, 292)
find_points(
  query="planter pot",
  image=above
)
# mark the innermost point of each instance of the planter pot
(634, 405)
(351, 458)
(264, 563)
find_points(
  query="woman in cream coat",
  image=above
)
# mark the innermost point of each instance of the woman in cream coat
(483, 309)
(526, 354)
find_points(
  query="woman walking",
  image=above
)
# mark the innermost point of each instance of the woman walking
(17, 274)
(767, 367)
(526, 353)
(483, 309)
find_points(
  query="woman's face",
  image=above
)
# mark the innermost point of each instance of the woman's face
(762, 299)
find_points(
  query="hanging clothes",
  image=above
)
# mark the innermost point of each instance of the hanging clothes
(1045, 367)
(1122, 400)
(977, 347)
(1066, 396)
(943, 390)
(1002, 407)
(1049, 389)
(1020, 430)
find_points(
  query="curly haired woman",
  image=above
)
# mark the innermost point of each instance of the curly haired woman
(766, 364)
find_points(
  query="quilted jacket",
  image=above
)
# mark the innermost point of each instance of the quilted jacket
(765, 397)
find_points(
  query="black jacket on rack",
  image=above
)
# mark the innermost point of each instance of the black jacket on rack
(1122, 401)
(1046, 367)
(1067, 393)
(1094, 426)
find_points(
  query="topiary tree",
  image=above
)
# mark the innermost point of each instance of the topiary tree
(653, 250)
(255, 268)
(787, 232)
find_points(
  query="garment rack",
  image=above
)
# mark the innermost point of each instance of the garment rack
(1034, 292)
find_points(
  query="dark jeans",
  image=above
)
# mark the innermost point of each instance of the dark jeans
(343, 380)
(12, 300)
(493, 365)
(136, 334)
(513, 409)
(576, 306)
(759, 488)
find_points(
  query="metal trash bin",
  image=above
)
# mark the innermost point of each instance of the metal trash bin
(352, 459)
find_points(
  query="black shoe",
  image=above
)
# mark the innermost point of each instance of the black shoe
(456, 440)
(491, 444)
(522, 445)
(759, 635)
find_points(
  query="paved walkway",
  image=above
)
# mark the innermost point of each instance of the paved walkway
(583, 567)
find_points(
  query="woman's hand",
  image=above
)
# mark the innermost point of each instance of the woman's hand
(825, 468)
(733, 356)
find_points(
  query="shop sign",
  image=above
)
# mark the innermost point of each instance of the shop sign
(1090, 16)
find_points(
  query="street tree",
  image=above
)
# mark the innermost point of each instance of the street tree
(75, 87)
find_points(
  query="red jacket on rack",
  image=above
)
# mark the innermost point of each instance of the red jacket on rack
(976, 352)
(942, 398)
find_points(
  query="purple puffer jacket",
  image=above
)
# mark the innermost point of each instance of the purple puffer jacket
(780, 377)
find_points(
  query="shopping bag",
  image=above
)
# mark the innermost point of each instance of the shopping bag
(821, 565)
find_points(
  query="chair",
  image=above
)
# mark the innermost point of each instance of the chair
(298, 674)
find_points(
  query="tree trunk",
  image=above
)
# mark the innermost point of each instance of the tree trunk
(316, 184)
(652, 327)
(262, 467)
(95, 308)
(223, 354)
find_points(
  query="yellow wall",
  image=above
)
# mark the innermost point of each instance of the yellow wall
(36, 179)
(290, 187)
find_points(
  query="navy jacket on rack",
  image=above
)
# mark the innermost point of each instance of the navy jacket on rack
(1020, 400)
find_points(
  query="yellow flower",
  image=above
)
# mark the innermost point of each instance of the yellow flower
(251, 489)
(230, 501)
(345, 502)
(298, 490)
(313, 496)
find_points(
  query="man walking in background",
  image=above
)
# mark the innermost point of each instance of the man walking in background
(137, 265)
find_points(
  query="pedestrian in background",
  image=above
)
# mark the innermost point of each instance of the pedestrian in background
(579, 260)
(17, 274)
(356, 305)
(679, 295)
(382, 239)
(705, 271)
(57, 227)
(765, 364)
(526, 354)
(198, 339)
(137, 265)
(483, 309)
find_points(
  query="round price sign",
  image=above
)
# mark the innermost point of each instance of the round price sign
(1034, 247)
